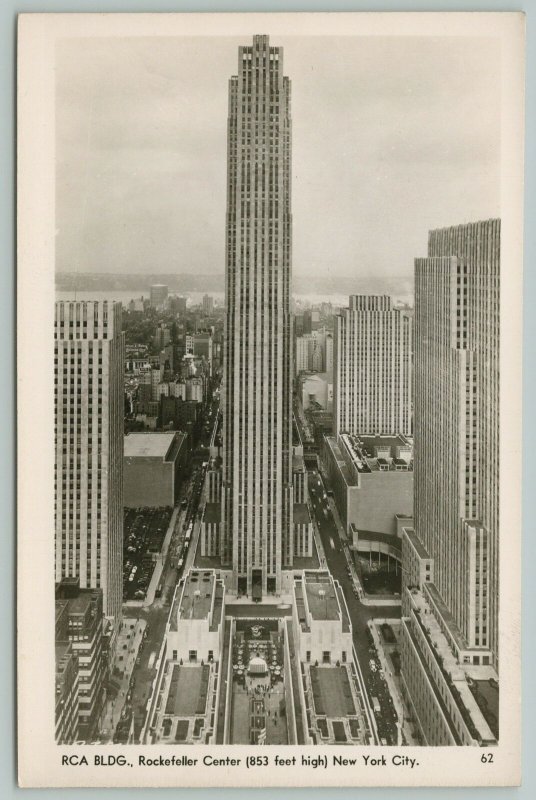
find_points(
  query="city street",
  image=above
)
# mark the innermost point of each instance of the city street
(360, 614)
(157, 614)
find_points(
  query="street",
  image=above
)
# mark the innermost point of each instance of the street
(360, 614)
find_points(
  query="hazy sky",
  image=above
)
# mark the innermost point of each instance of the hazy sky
(391, 136)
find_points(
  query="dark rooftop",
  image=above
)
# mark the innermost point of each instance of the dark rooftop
(301, 514)
(212, 512)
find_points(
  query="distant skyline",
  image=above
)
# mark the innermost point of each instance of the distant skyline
(391, 137)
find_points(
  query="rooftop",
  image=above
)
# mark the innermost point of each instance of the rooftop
(325, 377)
(421, 551)
(321, 596)
(457, 674)
(212, 512)
(148, 445)
(188, 688)
(341, 463)
(301, 514)
(369, 453)
(298, 464)
(196, 597)
(332, 694)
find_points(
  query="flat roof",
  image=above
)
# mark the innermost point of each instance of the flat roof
(380, 440)
(212, 512)
(196, 597)
(341, 463)
(321, 596)
(298, 463)
(301, 514)
(149, 445)
(422, 552)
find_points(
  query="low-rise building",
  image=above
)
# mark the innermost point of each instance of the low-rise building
(452, 694)
(183, 706)
(329, 690)
(67, 687)
(316, 390)
(372, 481)
(80, 633)
(303, 525)
(153, 464)
(321, 618)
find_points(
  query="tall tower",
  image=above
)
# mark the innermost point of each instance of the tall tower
(372, 364)
(457, 424)
(88, 387)
(257, 397)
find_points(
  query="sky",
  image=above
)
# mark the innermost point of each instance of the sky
(391, 137)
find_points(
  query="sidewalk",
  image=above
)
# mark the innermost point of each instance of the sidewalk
(401, 710)
(128, 644)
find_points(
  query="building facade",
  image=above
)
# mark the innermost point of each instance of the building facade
(80, 633)
(457, 422)
(153, 465)
(372, 482)
(372, 366)
(450, 578)
(208, 305)
(88, 391)
(257, 398)
(158, 294)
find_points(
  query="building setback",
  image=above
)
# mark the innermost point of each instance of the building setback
(257, 529)
(88, 392)
(372, 366)
(451, 580)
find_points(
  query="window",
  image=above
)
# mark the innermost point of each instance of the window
(308, 655)
(192, 655)
(211, 655)
(326, 657)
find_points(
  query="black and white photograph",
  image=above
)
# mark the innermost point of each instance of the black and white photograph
(269, 461)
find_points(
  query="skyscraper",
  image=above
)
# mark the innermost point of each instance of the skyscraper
(208, 305)
(88, 384)
(449, 642)
(159, 293)
(457, 422)
(257, 398)
(372, 367)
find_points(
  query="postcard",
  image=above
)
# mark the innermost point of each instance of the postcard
(269, 399)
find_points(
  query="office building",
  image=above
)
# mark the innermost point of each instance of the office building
(451, 553)
(66, 709)
(257, 502)
(158, 295)
(153, 466)
(89, 402)
(372, 481)
(316, 391)
(372, 380)
(208, 305)
(190, 679)
(81, 651)
(328, 697)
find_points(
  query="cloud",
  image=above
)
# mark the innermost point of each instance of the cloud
(391, 136)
